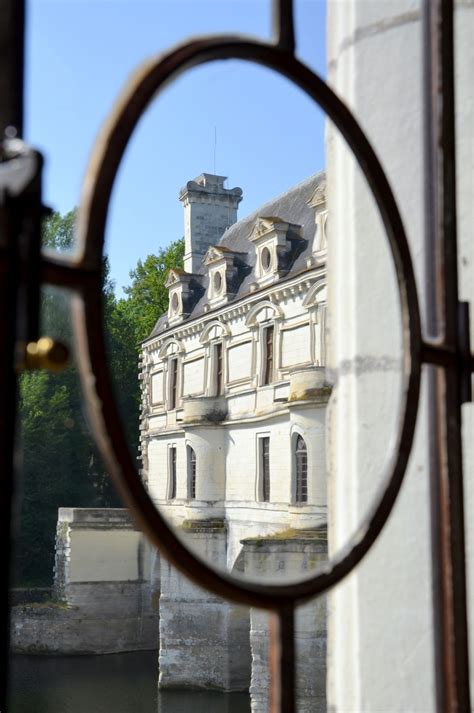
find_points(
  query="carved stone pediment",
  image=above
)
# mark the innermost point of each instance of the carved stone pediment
(215, 253)
(174, 276)
(267, 224)
(318, 198)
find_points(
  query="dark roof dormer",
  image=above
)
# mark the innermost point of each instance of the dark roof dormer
(276, 241)
(223, 266)
(184, 290)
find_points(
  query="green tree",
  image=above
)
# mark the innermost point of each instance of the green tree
(58, 231)
(61, 465)
(147, 296)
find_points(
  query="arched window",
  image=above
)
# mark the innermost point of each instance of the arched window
(191, 473)
(268, 355)
(218, 368)
(173, 384)
(301, 457)
(172, 472)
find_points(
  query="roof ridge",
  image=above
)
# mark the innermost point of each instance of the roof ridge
(259, 212)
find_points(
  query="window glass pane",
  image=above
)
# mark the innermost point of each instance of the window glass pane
(301, 471)
(265, 468)
(192, 472)
(268, 356)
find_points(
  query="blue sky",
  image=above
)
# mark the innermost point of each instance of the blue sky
(79, 55)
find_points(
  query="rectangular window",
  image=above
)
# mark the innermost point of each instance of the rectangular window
(219, 369)
(172, 472)
(264, 447)
(268, 355)
(173, 376)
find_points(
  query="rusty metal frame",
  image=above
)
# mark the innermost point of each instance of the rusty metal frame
(447, 349)
(449, 376)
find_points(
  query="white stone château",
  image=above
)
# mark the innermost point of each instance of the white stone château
(234, 397)
(233, 430)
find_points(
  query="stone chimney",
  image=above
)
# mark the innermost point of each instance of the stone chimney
(209, 209)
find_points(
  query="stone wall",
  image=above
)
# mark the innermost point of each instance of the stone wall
(105, 595)
(281, 560)
(204, 640)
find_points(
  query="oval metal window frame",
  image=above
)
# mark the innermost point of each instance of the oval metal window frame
(150, 78)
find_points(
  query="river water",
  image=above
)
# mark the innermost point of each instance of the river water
(119, 683)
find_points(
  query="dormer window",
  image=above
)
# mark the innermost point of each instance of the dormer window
(274, 240)
(266, 259)
(184, 290)
(218, 283)
(223, 270)
(320, 242)
(175, 303)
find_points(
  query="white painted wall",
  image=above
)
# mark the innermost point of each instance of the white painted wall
(105, 556)
(380, 622)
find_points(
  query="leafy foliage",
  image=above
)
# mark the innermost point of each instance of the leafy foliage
(147, 294)
(60, 463)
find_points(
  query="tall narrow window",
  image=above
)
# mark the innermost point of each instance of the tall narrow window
(301, 454)
(268, 355)
(219, 373)
(172, 471)
(265, 468)
(173, 371)
(191, 473)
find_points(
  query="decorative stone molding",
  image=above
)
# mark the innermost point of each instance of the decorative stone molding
(223, 272)
(262, 312)
(183, 290)
(214, 330)
(316, 294)
(318, 198)
(320, 243)
(309, 384)
(204, 409)
(271, 237)
(170, 347)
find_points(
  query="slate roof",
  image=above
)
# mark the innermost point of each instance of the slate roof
(292, 207)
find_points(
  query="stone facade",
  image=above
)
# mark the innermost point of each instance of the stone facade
(208, 396)
(233, 422)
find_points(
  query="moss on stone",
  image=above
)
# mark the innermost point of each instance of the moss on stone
(290, 533)
(212, 524)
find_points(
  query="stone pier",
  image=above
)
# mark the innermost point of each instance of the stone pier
(281, 559)
(204, 640)
(105, 590)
